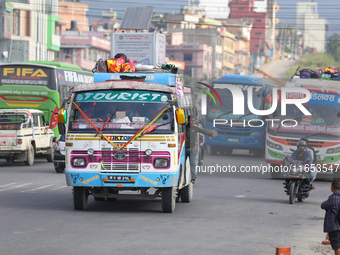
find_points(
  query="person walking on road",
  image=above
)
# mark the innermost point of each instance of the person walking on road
(331, 225)
(190, 143)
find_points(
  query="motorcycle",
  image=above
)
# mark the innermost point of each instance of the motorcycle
(295, 184)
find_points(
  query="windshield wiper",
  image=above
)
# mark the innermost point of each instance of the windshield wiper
(108, 120)
(244, 116)
(152, 128)
(224, 114)
(316, 133)
(281, 124)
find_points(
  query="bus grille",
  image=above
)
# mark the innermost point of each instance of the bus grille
(314, 144)
(129, 164)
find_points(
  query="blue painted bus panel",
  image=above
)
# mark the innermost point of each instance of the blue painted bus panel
(168, 79)
(238, 137)
(95, 179)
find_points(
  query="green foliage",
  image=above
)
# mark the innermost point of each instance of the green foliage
(312, 61)
(333, 46)
(287, 49)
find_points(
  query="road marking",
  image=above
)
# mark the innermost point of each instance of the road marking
(240, 196)
(60, 187)
(15, 187)
(42, 187)
(8, 184)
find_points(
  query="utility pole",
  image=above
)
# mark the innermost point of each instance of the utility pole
(282, 32)
(258, 50)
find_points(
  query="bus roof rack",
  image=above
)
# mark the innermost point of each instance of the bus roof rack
(316, 83)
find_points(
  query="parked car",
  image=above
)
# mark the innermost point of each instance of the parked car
(59, 155)
(24, 134)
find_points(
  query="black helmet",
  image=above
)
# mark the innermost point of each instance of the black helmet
(304, 139)
(300, 144)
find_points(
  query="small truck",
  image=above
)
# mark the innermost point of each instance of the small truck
(25, 133)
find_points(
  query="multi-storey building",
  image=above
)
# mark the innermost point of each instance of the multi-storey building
(29, 30)
(197, 58)
(312, 27)
(72, 13)
(261, 23)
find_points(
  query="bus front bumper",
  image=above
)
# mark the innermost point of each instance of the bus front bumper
(121, 180)
(237, 142)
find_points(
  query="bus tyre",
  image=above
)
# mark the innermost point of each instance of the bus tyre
(229, 151)
(186, 193)
(168, 199)
(336, 174)
(212, 150)
(30, 156)
(259, 153)
(59, 169)
(275, 175)
(50, 155)
(112, 199)
(9, 160)
(80, 197)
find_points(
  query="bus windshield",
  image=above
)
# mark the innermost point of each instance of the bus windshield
(226, 110)
(122, 111)
(324, 123)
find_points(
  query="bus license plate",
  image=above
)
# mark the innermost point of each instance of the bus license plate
(119, 178)
(233, 140)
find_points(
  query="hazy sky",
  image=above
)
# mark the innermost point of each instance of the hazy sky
(329, 9)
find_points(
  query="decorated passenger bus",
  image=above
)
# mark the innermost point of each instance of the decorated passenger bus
(127, 135)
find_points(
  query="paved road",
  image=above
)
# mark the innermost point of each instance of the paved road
(277, 68)
(230, 214)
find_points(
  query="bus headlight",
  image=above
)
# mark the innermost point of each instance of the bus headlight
(330, 151)
(211, 130)
(90, 152)
(161, 163)
(78, 162)
(320, 158)
(287, 155)
(148, 152)
(337, 149)
(256, 133)
(270, 144)
(274, 146)
(278, 147)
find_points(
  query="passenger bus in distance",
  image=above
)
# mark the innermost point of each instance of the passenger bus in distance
(236, 131)
(322, 128)
(41, 85)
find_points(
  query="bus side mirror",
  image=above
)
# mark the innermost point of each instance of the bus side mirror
(62, 116)
(180, 116)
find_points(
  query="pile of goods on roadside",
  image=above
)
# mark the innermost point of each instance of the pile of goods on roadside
(121, 64)
(328, 73)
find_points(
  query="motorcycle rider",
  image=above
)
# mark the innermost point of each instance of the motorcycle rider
(303, 154)
(309, 148)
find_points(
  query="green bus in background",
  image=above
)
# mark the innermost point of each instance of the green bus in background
(42, 85)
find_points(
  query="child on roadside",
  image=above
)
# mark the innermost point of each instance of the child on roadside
(331, 225)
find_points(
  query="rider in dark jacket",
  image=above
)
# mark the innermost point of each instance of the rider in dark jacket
(303, 154)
